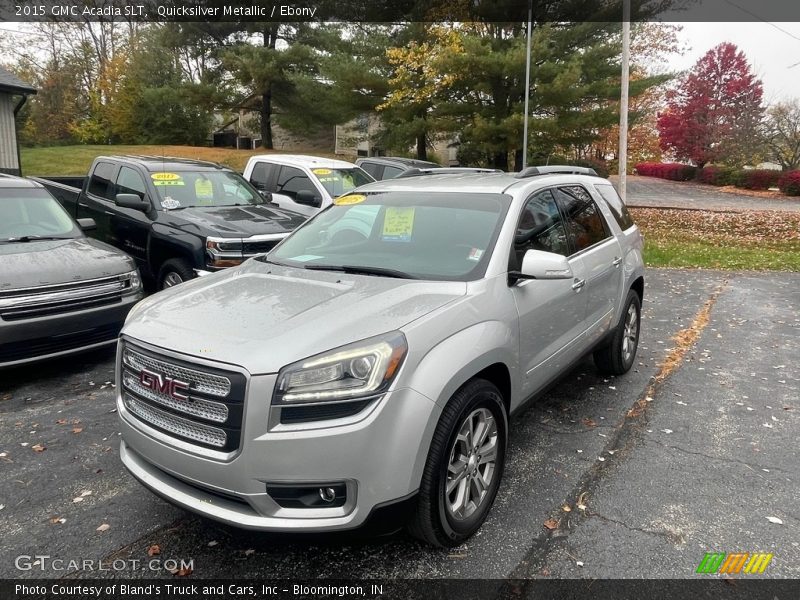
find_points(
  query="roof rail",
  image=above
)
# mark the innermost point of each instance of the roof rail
(555, 170)
(416, 172)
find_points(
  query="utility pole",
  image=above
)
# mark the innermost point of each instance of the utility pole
(527, 88)
(623, 101)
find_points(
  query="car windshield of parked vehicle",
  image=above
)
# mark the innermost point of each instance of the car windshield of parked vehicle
(341, 181)
(33, 214)
(184, 189)
(413, 235)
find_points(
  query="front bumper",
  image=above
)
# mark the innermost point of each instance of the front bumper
(29, 340)
(378, 455)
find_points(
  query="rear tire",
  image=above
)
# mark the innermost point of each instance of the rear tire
(464, 466)
(617, 357)
(174, 272)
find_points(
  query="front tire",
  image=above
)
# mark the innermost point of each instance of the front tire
(174, 272)
(617, 357)
(464, 466)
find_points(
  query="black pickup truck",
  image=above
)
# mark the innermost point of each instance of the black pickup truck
(177, 218)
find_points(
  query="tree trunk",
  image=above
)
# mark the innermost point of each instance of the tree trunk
(422, 147)
(499, 161)
(266, 119)
(518, 159)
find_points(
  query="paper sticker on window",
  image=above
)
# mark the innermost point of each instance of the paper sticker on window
(203, 189)
(398, 224)
(475, 254)
(169, 203)
(321, 171)
(305, 257)
(167, 179)
(350, 199)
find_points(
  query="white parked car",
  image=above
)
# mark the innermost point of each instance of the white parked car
(304, 184)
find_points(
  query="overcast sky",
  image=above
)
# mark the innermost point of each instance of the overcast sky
(771, 49)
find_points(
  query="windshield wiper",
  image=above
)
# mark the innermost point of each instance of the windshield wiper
(358, 270)
(34, 238)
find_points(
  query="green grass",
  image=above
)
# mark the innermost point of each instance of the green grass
(707, 255)
(76, 160)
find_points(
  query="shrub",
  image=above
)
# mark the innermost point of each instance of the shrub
(717, 175)
(789, 183)
(672, 171)
(756, 179)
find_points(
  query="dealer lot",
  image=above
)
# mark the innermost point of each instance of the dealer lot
(694, 470)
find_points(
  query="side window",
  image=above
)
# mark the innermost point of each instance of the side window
(101, 179)
(585, 224)
(540, 227)
(373, 169)
(392, 172)
(291, 181)
(615, 203)
(261, 175)
(130, 182)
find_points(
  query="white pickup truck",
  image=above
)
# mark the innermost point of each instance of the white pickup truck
(304, 184)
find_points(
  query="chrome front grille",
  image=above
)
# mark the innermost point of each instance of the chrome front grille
(206, 383)
(47, 300)
(197, 407)
(194, 403)
(210, 436)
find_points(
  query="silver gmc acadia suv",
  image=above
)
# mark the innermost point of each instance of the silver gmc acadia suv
(372, 359)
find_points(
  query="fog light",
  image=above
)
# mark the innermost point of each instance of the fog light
(326, 495)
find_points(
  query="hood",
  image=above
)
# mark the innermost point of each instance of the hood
(237, 221)
(31, 264)
(263, 316)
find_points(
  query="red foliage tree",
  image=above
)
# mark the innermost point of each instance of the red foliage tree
(713, 115)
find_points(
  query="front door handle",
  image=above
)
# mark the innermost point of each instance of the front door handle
(617, 261)
(578, 284)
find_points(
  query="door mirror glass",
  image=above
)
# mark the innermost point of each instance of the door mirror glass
(132, 201)
(537, 264)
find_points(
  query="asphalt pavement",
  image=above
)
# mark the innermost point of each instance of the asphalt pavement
(652, 192)
(655, 469)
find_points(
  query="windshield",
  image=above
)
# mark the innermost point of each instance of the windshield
(341, 181)
(425, 235)
(182, 189)
(27, 214)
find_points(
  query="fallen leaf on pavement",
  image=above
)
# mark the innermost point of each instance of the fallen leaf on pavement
(551, 524)
(60, 520)
(61, 422)
(183, 572)
(566, 508)
(667, 431)
(77, 430)
(78, 499)
(579, 563)
(154, 550)
(38, 448)
(104, 527)
(589, 422)
(212, 543)
(775, 520)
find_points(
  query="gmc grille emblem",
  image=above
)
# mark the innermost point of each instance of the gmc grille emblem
(164, 385)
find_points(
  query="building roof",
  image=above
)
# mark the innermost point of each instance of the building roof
(11, 83)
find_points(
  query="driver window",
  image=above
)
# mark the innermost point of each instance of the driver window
(540, 227)
(130, 182)
(291, 181)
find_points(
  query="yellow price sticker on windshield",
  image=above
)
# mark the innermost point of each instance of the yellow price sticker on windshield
(349, 199)
(203, 189)
(165, 176)
(321, 171)
(398, 224)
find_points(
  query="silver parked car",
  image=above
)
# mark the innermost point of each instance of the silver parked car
(354, 370)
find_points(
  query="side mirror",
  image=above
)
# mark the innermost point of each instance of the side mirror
(537, 264)
(308, 198)
(265, 194)
(87, 224)
(132, 201)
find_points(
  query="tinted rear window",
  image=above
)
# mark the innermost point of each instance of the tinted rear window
(615, 203)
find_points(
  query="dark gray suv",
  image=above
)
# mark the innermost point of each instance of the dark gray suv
(60, 292)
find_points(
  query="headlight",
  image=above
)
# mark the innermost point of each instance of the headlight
(365, 368)
(131, 282)
(224, 252)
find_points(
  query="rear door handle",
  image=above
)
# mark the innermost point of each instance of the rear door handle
(578, 284)
(617, 261)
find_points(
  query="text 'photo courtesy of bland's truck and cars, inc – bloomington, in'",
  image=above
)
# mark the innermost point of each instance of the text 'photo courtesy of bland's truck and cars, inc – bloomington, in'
(497, 300)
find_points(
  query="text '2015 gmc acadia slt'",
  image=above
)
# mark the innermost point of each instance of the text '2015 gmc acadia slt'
(375, 355)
